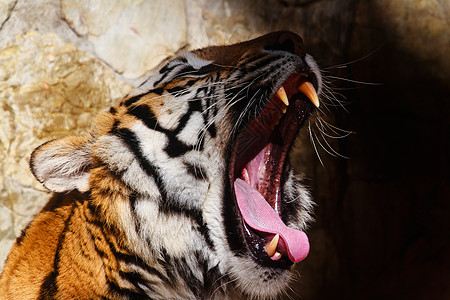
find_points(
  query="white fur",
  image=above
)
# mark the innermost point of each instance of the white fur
(315, 68)
(191, 131)
(61, 167)
(195, 61)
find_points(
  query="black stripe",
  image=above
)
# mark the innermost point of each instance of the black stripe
(191, 82)
(137, 281)
(257, 63)
(144, 113)
(185, 71)
(112, 110)
(157, 91)
(124, 292)
(212, 280)
(178, 91)
(210, 110)
(240, 93)
(133, 144)
(184, 270)
(22, 234)
(249, 58)
(115, 125)
(208, 69)
(174, 147)
(137, 261)
(167, 263)
(194, 105)
(133, 99)
(133, 200)
(165, 71)
(93, 218)
(49, 288)
(203, 228)
(178, 266)
(232, 222)
(170, 208)
(196, 171)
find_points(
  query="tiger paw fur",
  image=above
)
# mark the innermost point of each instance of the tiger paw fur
(183, 189)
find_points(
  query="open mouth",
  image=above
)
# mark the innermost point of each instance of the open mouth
(256, 169)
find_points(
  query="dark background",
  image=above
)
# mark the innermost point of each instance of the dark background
(383, 215)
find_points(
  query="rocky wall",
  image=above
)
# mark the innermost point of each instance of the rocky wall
(63, 61)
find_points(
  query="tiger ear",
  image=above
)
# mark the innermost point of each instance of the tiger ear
(63, 164)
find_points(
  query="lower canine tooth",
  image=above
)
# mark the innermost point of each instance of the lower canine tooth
(271, 248)
(276, 256)
(245, 175)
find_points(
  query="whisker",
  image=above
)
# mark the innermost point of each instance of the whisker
(222, 286)
(332, 136)
(336, 154)
(314, 144)
(332, 127)
(355, 81)
(344, 65)
(331, 96)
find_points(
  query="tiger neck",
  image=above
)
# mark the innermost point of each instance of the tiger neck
(158, 227)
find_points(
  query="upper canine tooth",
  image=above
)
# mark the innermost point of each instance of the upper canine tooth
(281, 93)
(308, 89)
(271, 247)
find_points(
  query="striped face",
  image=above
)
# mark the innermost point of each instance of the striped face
(200, 152)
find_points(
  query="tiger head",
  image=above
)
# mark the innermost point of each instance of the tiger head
(193, 164)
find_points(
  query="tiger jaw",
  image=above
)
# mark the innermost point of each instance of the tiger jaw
(256, 170)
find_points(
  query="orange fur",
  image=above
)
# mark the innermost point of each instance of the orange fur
(33, 256)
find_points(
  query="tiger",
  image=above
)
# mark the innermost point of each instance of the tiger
(183, 189)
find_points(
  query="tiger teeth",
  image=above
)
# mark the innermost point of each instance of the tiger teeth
(276, 256)
(271, 248)
(308, 89)
(281, 93)
(245, 175)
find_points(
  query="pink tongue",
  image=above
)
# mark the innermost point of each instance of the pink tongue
(259, 215)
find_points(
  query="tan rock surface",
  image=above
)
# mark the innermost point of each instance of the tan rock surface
(5, 9)
(130, 36)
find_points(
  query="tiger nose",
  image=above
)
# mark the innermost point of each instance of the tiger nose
(291, 42)
(287, 41)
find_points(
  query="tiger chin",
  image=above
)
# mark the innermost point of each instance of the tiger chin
(182, 190)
